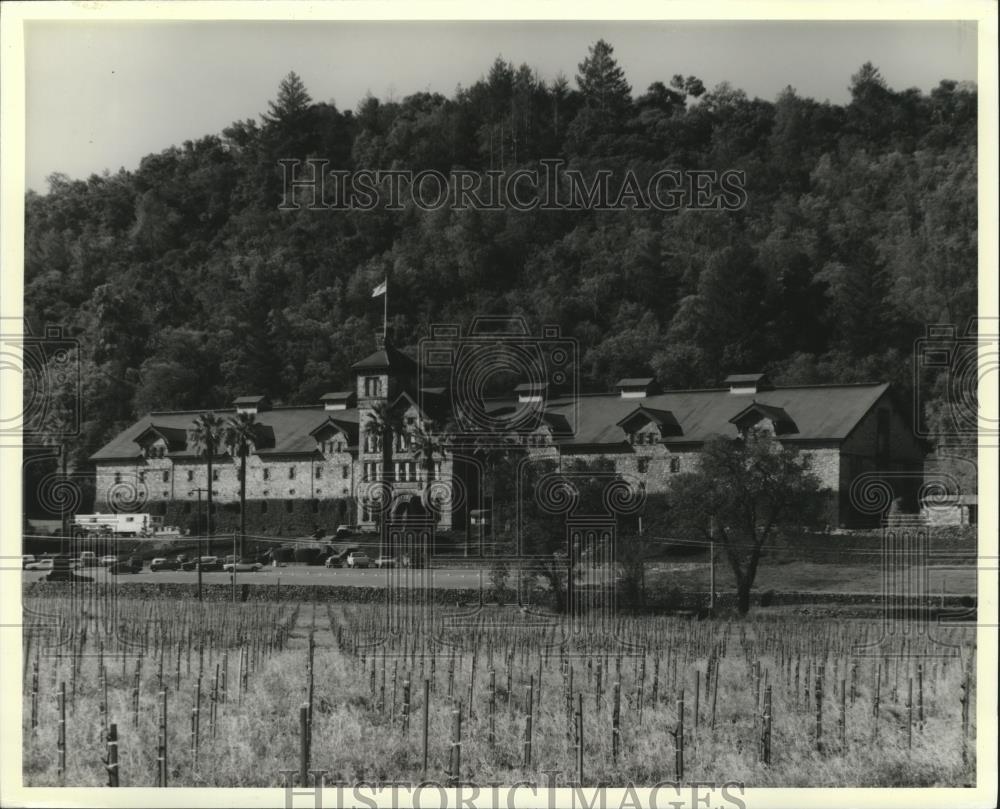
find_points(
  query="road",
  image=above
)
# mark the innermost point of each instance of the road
(445, 578)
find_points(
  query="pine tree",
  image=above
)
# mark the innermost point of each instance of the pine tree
(602, 82)
(293, 100)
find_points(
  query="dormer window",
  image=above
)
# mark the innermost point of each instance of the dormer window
(530, 392)
(758, 415)
(636, 388)
(748, 383)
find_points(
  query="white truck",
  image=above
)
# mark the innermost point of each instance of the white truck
(118, 525)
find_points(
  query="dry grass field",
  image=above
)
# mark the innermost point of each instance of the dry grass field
(768, 700)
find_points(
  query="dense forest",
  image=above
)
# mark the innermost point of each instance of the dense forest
(186, 286)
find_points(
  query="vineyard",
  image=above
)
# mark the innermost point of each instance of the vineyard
(180, 693)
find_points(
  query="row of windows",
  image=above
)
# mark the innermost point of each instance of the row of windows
(643, 438)
(403, 471)
(642, 465)
(345, 472)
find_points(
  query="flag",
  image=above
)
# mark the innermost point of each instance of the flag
(379, 290)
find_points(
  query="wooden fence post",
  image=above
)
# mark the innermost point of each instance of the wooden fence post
(111, 763)
(579, 737)
(427, 703)
(161, 755)
(529, 715)
(679, 739)
(616, 723)
(304, 745)
(61, 737)
(765, 729)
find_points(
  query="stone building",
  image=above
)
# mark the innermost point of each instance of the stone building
(320, 463)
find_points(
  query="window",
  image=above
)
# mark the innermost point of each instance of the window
(643, 466)
(166, 477)
(675, 465)
(118, 477)
(315, 506)
(215, 474)
(319, 472)
(371, 471)
(437, 470)
(289, 505)
(291, 473)
(373, 386)
(187, 508)
(190, 475)
(263, 506)
(142, 477)
(345, 471)
(267, 473)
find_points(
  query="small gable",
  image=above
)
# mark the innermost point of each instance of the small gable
(774, 419)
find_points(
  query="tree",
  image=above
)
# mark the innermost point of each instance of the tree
(602, 82)
(427, 445)
(240, 438)
(293, 100)
(747, 490)
(207, 436)
(382, 422)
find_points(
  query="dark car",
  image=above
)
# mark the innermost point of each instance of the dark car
(208, 564)
(165, 564)
(131, 565)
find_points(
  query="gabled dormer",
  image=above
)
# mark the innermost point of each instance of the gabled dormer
(767, 417)
(157, 441)
(648, 425)
(333, 436)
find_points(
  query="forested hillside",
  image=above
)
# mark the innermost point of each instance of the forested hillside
(186, 286)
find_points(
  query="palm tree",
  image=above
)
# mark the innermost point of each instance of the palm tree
(427, 444)
(240, 439)
(207, 436)
(382, 422)
(493, 453)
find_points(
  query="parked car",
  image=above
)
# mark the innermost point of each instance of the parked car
(385, 561)
(208, 564)
(40, 564)
(107, 561)
(88, 559)
(345, 531)
(357, 559)
(27, 559)
(131, 565)
(161, 563)
(243, 566)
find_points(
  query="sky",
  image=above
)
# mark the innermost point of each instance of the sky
(100, 96)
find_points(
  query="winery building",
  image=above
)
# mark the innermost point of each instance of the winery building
(318, 465)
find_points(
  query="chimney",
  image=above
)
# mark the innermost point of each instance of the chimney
(251, 404)
(636, 388)
(748, 383)
(339, 400)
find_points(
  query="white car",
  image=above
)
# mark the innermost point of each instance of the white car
(107, 561)
(358, 559)
(242, 567)
(41, 564)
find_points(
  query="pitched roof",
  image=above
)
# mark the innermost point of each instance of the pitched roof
(634, 382)
(388, 358)
(821, 412)
(738, 378)
(281, 431)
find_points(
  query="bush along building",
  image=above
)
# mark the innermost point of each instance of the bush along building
(326, 464)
